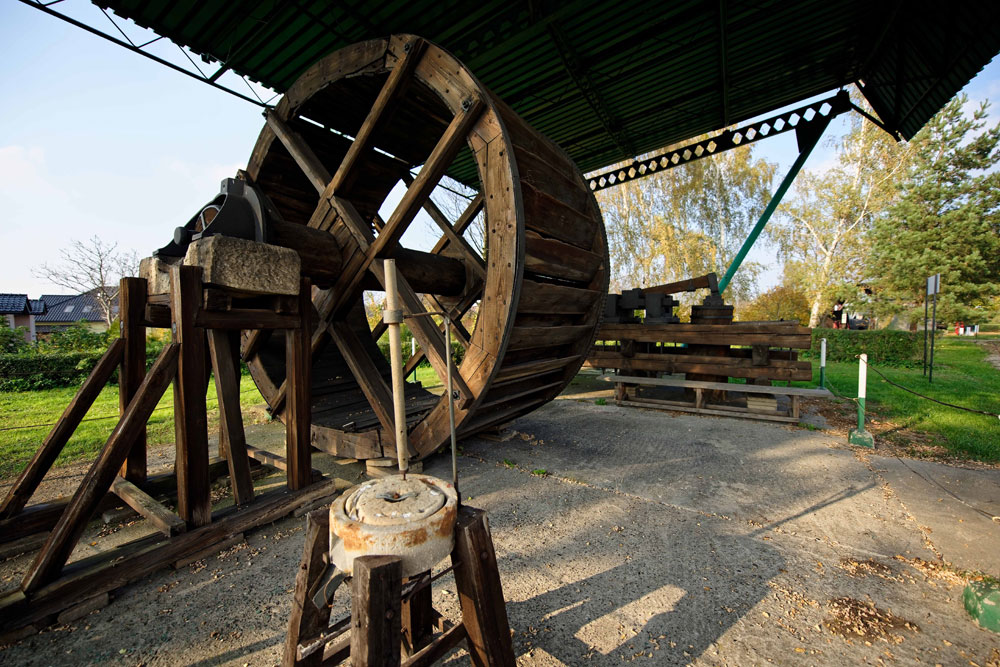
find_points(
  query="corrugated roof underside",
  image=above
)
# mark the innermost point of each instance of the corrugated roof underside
(610, 81)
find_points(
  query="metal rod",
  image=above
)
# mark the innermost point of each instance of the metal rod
(925, 328)
(392, 316)
(930, 367)
(804, 152)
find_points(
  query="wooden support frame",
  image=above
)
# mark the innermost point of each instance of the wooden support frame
(232, 438)
(386, 622)
(132, 311)
(298, 424)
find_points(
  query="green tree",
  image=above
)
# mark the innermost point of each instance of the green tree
(686, 221)
(946, 221)
(821, 231)
(781, 302)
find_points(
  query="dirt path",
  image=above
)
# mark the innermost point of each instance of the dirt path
(993, 351)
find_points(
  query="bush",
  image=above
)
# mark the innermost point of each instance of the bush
(27, 371)
(12, 340)
(458, 352)
(991, 327)
(78, 338)
(883, 346)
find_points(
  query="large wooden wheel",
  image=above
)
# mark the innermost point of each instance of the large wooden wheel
(352, 127)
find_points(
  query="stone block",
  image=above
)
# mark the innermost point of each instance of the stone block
(157, 275)
(245, 266)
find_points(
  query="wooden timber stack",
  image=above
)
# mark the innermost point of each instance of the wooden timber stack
(758, 352)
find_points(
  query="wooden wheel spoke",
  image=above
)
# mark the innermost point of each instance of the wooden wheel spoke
(372, 384)
(456, 314)
(381, 113)
(473, 257)
(464, 220)
(300, 152)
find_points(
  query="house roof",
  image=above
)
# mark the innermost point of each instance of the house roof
(72, 309)
(13, 304)
(37, 306)
(610, 81)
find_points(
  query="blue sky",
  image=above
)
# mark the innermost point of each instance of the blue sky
(97, 140)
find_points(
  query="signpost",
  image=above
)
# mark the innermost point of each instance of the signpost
(933, 287)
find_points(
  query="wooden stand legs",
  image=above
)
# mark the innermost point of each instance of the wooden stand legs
(382, 617)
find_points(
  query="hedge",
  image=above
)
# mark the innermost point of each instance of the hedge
(28, 371)
(990, 327)
(883, 346)
(458, 352)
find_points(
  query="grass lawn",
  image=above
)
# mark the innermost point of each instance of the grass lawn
(962, 376)
(30, 408)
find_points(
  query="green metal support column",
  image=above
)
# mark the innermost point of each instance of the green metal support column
(808, 137)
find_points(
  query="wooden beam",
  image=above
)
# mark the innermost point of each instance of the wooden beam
(475, 260)
(418, 618)
(298, 413)
(464, 220)
(306, 621)
(232, 437)
(375, 611)
(97, 481)
(379, 116)
(484, 612)
(132, 310)
(372, 383)
(190, 415)
(440, 159)
(438, 648)
(300, 152)
(32, 475)
(165, 521)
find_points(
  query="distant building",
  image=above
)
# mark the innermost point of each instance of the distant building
(20, 311)
(64, 310)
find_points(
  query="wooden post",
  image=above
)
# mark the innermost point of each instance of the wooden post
(190, 420)
(232, 438)
(298, 411)
(306, 621)
(132, 311)
(484, 612)
(375, 611)
(418, 618)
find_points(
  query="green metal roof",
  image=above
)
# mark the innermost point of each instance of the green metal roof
(609, 81)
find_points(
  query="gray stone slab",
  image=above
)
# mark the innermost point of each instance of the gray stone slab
(951, 504)
(246, 266)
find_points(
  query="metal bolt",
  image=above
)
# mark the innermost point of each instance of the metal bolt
(389, 614)
(407, 47)
(466, 105)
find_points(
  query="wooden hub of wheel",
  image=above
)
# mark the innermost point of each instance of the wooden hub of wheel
(402, 110)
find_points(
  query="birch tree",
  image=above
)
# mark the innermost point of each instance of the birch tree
(822, 230)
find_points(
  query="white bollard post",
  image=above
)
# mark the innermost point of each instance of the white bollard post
(860, 436)
(822, 363)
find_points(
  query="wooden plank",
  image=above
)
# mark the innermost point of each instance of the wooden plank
(254, 341)
(418, 618)
(165, 521)
(688, 285)
(438, 648)
(232, 437)
(549, 299)
(782, 328)
(98, 479)
(693, 363)
(96, 575)
(306, 621)
(717, 410)
(526, 338)
(533, 367)
(60, 434)
(379, 116)
(132, 311)
(724, 386)
(550, 257)
(300, 152)
(375, 611)
(298, 424)
(484, 612)
(245, 318)
(190, 414)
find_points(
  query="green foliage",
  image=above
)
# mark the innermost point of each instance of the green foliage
(28, 371)
(883, 346)
(601, 401)
(781, 302)
(77, 337)
(991, 327)
(947, 220)
(686, 221)
(457, 351)
(12, 340)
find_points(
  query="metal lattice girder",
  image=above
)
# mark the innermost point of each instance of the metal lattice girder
(797, 119)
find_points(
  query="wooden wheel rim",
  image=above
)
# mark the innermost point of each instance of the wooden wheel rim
(546, 263)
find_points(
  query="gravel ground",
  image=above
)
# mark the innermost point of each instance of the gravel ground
(622, 535)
